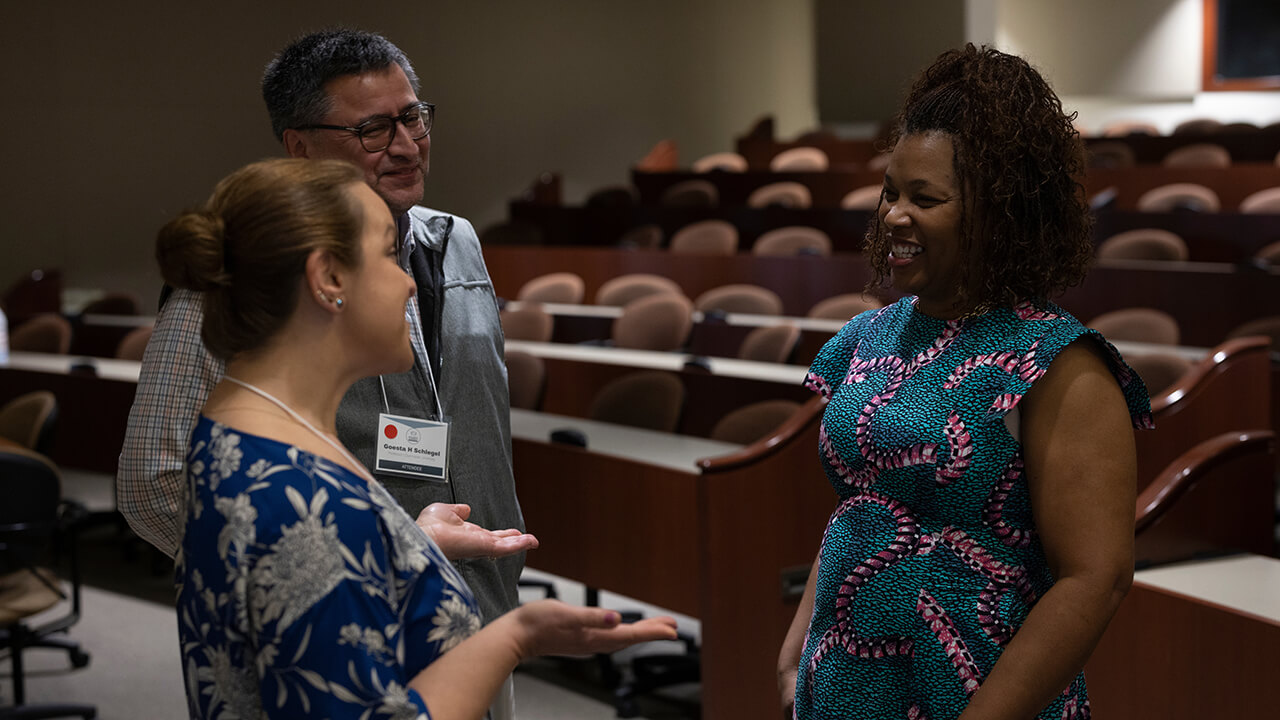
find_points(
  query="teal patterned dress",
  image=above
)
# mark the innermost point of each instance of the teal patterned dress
(931, 562)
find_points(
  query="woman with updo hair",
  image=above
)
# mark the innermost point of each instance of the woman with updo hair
(979, 437)
(304, 589)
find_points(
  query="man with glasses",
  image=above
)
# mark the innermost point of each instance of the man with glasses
(353, 96)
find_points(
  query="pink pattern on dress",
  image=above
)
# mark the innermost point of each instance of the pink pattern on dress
(943, 628)
(993, 513)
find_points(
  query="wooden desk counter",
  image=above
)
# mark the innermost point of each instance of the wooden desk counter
(720, 542)
(1193, 641)
(93, 406)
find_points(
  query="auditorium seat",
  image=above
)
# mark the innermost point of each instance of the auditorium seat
(45, 333)
(532, 324)
(625, 288)
(844, 307)
(799, 159)
(1121, 128)
(644, 237)
(1198, 155)
(1197, 126)
(613, 197)
(792, 240)
(1267, 327)
(770, 344)
(1262, 202)
(1145, 325)
(1269, 254)
(559, 287)
(113, 303)
(134, 344)
(690, 193)
(1115, 154)
(752, 422)
(1159, 371)
(866, 197)
(649, 399)
(879, 162)
(658, 322)
(1179, 196)
(526, 379)
(1143, 244)
(780, 194)
(707, 237)
(721, 161)
(511, 233)
(739, 298)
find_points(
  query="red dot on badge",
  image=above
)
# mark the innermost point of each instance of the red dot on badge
(390, 431)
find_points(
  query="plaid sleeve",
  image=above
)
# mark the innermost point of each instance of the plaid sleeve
(177, 375)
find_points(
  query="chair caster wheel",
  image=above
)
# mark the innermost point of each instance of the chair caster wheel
(79, 658)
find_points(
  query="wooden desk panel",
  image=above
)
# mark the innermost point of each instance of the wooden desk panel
(1232, 184)
(1211, 237)
(1171, 656)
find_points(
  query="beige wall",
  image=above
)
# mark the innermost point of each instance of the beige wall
(118, 118)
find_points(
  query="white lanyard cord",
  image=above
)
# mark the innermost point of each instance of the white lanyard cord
(434, 392)
(359, 467)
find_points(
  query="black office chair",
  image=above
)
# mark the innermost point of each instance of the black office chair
(35, 525)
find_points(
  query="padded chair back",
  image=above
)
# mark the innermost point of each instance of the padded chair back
(1262, 202)
(740, 298)
(1197, 126)
(133, 345)
(781, 194)
(526, 379)
(533, 324)
(1110, 154)
(112, 304)
(1120, 128)
(793, 240)
(664, 156)
(1266, 326)
(1198, 155)
(32, 490)
(29, 420)
(1143, 244)
(657, 322)
(1269, 254)
(614, 197)
(1179, 196)
(1159, 370)
(844, 307)
(752, 422)
(880, 162)
(642, 236)
(650, 399)
(722, 161)
(866, 197)
(633, 286)
(511, 233)
(770, 344)
(799, 159)
(706, 237)
(560, 287)
(690, 193)
(1146, 325)
(47, 333)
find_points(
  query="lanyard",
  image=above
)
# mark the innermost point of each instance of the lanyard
(360, 468)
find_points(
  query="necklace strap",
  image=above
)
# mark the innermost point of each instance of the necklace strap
(359, 467)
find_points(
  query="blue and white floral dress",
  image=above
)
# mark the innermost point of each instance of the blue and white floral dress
(304, 590)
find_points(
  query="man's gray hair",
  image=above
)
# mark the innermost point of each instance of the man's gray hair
(293, 84)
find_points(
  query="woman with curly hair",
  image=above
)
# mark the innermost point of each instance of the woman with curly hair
(979, 437)
(304, 589)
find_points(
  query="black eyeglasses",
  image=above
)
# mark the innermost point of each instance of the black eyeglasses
(377, 133)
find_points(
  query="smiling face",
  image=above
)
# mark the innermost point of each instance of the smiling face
(921, 213)
(378, 291)
(398, 173)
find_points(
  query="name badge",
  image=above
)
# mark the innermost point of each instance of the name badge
(412, 447)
